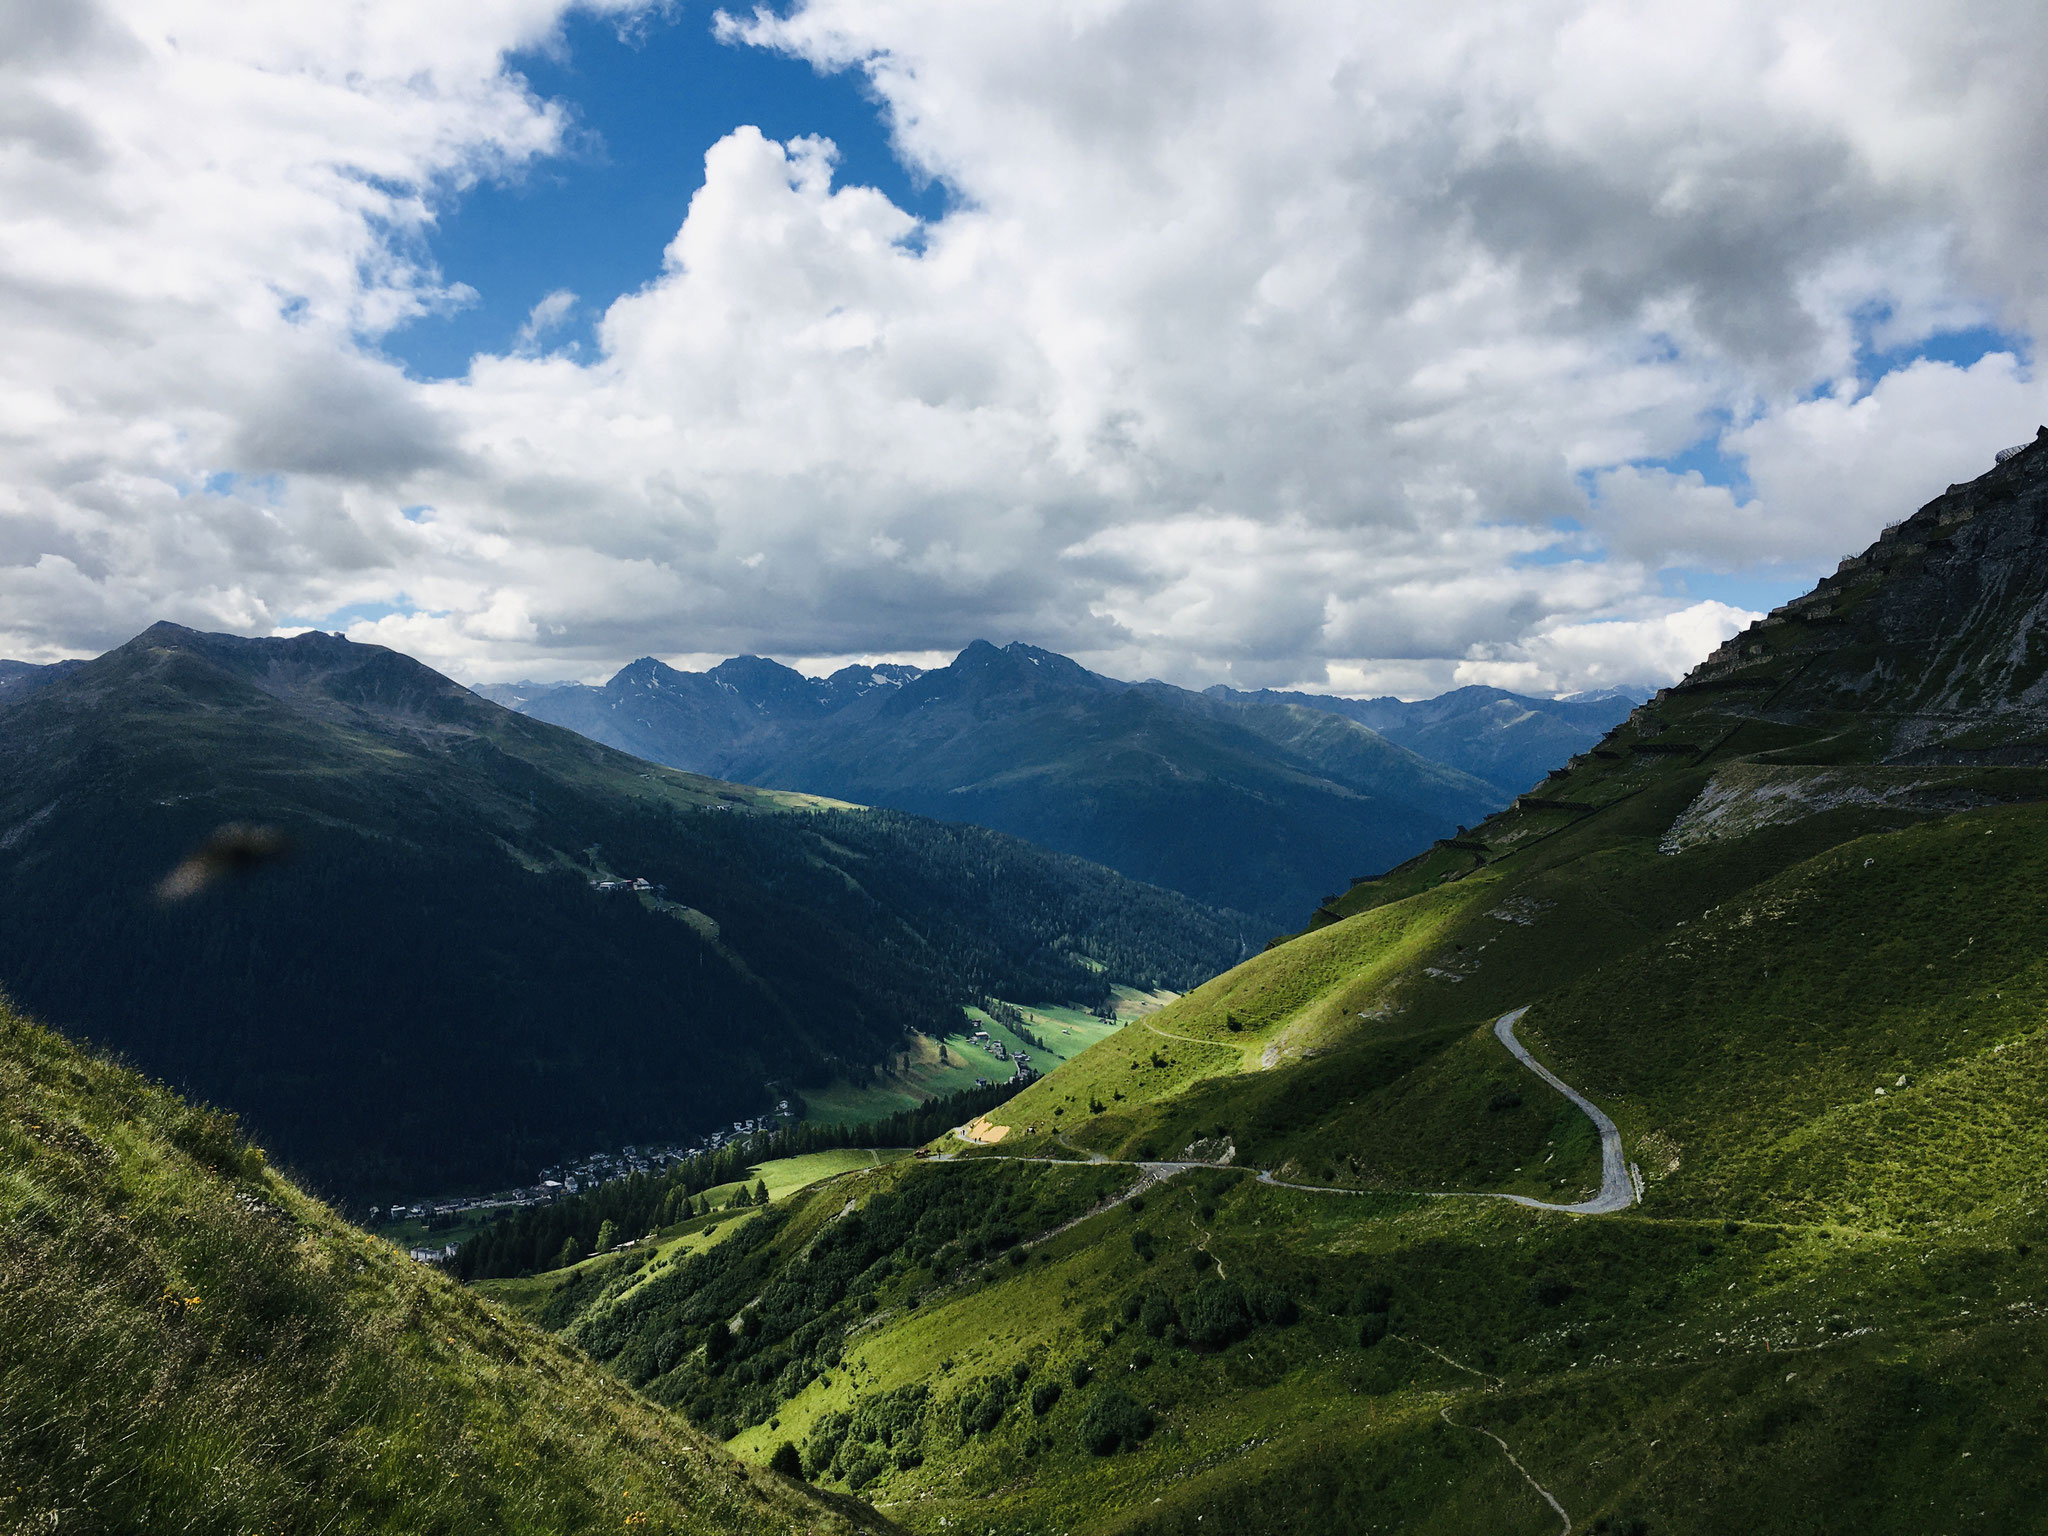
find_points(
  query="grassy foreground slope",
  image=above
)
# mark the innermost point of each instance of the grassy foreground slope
(192, 1344)
(1783, 925)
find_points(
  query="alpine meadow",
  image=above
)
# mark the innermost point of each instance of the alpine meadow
(1146, 768)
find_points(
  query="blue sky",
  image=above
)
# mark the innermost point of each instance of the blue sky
(647, 101)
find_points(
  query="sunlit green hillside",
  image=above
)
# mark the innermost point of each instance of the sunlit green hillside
(1244, 1265)
(191, 1344)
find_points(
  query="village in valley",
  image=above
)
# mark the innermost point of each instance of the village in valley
(457, 1216)
(1027, 1041)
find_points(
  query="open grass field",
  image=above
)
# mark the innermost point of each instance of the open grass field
(916, 1075)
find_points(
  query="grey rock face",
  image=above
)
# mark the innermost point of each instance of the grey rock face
(1931, 645)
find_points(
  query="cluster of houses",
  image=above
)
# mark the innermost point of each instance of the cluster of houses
(1021, 1059)
(570, 1178)
(639, 887)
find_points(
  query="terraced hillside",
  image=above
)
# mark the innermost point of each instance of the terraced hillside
(193, 1344)
(1782, 925)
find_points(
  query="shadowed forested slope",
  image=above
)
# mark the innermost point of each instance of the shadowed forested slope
(408, 980)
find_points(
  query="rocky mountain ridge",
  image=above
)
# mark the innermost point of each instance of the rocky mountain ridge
(1296, 793)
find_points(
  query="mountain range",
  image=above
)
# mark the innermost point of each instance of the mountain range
(323, 885)
(1508, 739)
(1294, 794)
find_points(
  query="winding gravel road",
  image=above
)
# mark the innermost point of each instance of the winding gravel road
(1617, 1184)
(1617, 1187)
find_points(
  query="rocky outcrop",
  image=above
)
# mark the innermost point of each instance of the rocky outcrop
(1935, 637)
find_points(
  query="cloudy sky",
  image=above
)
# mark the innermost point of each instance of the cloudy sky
(1362, 346)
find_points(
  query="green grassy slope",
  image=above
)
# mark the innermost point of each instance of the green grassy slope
(1698, 1375)
(1791, 947)
(193, 1344)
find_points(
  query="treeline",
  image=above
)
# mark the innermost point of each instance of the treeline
(1011, 1017)
(1081, 925)
(535, 1239)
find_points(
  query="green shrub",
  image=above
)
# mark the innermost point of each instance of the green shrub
(1550, 1290)
(1270, 1304)
(827, 1435)
(1114, 1422)
(1155, 1314)
(1044, 1396)
(982, 1406)
(863, 1468)
(787, 1460)
(1214, 1314)
(1371, 1329)
(1373, 1296)
(1081, 1373)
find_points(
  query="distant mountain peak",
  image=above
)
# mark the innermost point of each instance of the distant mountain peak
(1601, 695)
(1027, 666)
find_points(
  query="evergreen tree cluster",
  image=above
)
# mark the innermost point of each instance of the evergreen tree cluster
(1012, 1018)
(1211, 1313)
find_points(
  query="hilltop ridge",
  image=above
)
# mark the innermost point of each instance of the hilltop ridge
(1295, 793)
(195, 1344)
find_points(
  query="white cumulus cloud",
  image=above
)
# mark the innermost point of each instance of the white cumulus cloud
(1270, 341)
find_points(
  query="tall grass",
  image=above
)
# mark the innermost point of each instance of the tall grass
(192, 1344)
